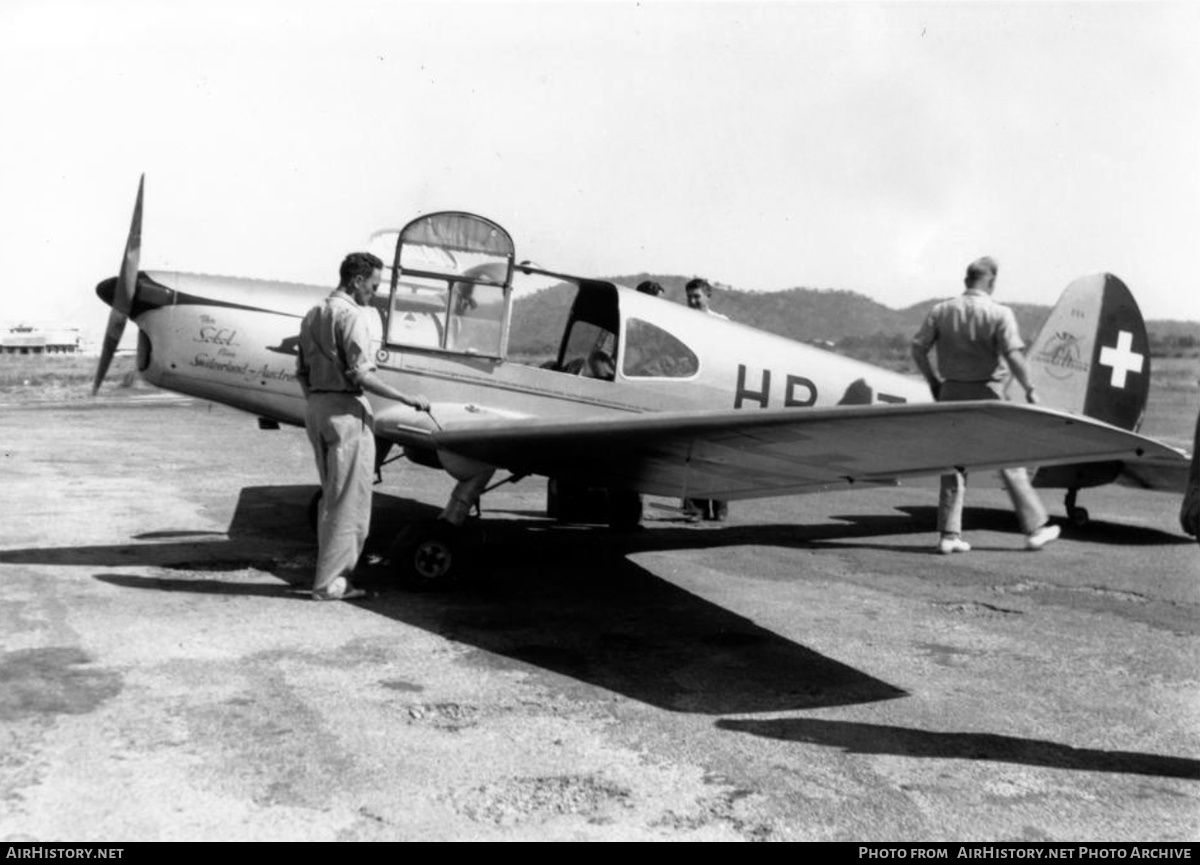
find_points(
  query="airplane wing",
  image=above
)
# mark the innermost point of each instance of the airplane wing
(740, 454)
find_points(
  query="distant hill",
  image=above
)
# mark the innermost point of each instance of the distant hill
(846, 321)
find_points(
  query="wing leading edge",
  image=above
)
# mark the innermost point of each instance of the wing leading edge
(738, 455)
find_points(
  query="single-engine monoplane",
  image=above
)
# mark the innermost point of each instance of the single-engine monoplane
(643, 396)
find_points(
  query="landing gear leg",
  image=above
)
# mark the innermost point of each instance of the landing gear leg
(1077, 516)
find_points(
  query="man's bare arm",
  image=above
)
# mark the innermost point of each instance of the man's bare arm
(920, 356)
(1020, 371)
(371, 382)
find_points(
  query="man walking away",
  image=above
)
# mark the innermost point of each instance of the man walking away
(975, 335)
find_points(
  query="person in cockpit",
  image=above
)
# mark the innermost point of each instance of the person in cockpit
(600, 365)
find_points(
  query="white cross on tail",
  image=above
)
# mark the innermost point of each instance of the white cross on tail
(1121, 358)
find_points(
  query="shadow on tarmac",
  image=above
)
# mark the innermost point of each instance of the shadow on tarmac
(858, 738)
(206, 587)
(566, 601)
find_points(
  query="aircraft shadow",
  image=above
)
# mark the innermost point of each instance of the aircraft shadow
(563, 602)
(278, 513)
(605, 621)
(859, 738)
(568, 601)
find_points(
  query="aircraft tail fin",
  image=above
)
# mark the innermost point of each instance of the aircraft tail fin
(1092, 355)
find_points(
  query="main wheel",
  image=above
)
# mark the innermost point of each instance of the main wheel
(431, 554)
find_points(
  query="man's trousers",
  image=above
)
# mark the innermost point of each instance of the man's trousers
(1031, 513)
(343, 440)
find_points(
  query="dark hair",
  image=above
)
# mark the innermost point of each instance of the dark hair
(358, 264)
(978, 268)
(699, 283)
(649, 286)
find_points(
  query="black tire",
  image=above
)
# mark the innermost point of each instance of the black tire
(431, 555)
(1079, 517)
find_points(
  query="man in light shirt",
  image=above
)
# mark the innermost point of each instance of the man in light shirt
(975, 336)
(334, 367)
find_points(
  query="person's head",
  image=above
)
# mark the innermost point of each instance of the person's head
(359, 276)
(464, 298)
(698, 294)
(981, 274)
(600, 365)
(650, 287)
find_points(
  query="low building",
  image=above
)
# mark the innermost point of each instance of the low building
(39, 339)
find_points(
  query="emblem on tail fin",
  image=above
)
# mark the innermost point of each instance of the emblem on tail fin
(1062, 356)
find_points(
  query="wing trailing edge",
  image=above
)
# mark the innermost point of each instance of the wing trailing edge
(739, 454)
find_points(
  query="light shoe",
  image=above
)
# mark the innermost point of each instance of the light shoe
(339, 590)
(1040, 537)
(946, 546)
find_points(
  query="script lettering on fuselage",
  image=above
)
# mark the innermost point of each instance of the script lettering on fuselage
(230, 366)
(213, 335)
(798, 391)
(225, 355)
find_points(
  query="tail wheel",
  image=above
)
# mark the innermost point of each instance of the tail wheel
(1077, 516)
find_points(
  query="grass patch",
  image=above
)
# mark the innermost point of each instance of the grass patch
(62, 377)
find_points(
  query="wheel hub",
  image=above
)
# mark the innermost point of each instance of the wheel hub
(432, 559)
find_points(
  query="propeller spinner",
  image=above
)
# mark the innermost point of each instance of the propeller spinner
(124, 291)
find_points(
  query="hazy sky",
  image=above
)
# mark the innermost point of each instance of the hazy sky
(876, 147)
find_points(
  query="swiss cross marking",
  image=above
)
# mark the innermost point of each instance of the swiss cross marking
(1121, 358)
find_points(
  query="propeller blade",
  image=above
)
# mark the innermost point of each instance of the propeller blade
(125, 291)
(127, 281)
(112, 336)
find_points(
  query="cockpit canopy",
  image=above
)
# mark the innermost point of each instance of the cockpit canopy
(451, 285)
(451, 291)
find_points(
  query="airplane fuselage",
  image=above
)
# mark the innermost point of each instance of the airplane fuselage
(233, 341)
